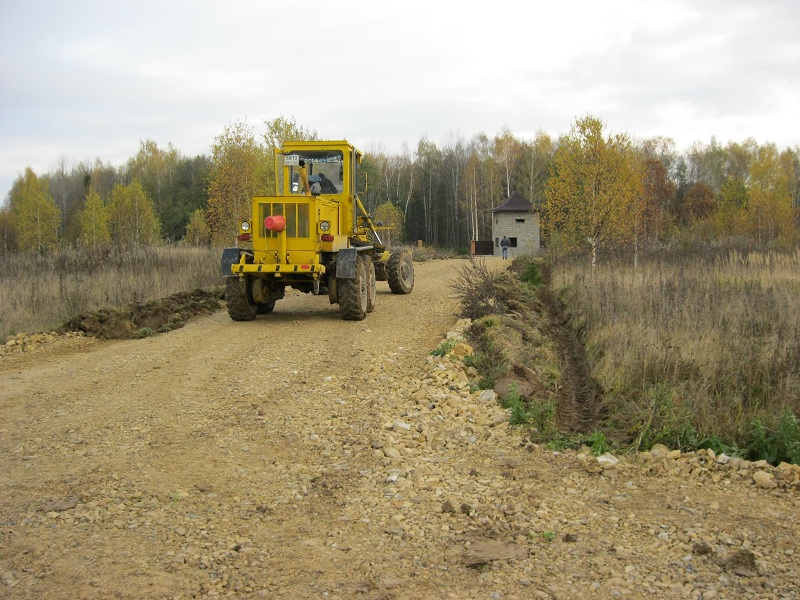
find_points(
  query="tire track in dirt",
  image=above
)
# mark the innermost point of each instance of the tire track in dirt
(580, 402)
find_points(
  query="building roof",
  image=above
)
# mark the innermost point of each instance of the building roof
(515, 203)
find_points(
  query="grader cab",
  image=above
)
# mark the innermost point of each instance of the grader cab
(313, 235)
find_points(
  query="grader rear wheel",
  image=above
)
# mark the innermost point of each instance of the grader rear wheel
(372, 286)
(353, 294)
(264, 308)
(237, 294)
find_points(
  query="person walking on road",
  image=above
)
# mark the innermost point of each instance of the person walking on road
(504, 244)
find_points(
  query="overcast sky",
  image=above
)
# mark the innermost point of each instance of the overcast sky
(89, 79)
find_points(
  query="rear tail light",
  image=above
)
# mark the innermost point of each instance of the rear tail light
(244, 237)
(326, 237)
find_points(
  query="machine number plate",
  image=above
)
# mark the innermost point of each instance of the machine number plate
(291, 160)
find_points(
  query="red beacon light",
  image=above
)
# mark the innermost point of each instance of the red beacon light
(275, 223)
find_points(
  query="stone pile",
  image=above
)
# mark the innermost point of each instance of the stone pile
(26, 342)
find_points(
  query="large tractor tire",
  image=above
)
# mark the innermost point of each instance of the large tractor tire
(400, 272)
(353, 294)
(240, 305)
(264, 308)
(372, 286)
(380, 271)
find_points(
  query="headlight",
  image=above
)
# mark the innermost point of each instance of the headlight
(324, 225)
(244, 226)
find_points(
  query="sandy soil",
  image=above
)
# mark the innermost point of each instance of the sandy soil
(303, 456)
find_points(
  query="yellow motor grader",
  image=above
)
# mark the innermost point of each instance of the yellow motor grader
(313, 235)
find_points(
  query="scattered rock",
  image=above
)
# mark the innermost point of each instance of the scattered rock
(461, 350)
(659, 451)
(702, 548)
(484, 551)
(742, 562)
(507, 385)
(764, 480)
(61, 505)
(488, 396)
(392, 453)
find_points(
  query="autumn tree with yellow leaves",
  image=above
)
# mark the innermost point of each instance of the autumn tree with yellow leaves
(390, 219)
(770, 199)
(93, 219)
(240, 170)
(36, 216)
(594, 194)
(132, 217)
(197, 231)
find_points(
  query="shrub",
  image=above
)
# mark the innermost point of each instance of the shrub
(532, 274)
(443, 348)
(514, 402)
(477, 290)
(542, 417)
(597, 442)
(778, 444)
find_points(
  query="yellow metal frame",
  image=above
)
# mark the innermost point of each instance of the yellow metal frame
(279, 257)
(278, 268)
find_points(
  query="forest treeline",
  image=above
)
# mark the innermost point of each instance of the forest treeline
(595, 189)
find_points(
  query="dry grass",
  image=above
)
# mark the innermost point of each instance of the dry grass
(41, 292)
(692, 350)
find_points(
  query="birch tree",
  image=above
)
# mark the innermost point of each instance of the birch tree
(507, 152)
(36, 215)
(93, 219)
(197, 230)
(770, 205)
(391, 218)
(132, 216)
(536, 158)
(238, 173)
(157, 170)
(593, 195)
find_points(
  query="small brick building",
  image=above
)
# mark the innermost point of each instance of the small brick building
(519, 220)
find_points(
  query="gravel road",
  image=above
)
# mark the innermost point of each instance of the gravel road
(302, 456)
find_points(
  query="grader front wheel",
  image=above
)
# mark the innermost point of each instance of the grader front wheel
(354, 294)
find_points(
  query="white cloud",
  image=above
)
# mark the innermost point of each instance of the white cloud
(91, 79)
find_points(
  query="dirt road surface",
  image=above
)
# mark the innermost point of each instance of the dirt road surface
(302, 456)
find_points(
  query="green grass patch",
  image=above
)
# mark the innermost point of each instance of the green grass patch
(444, 347)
